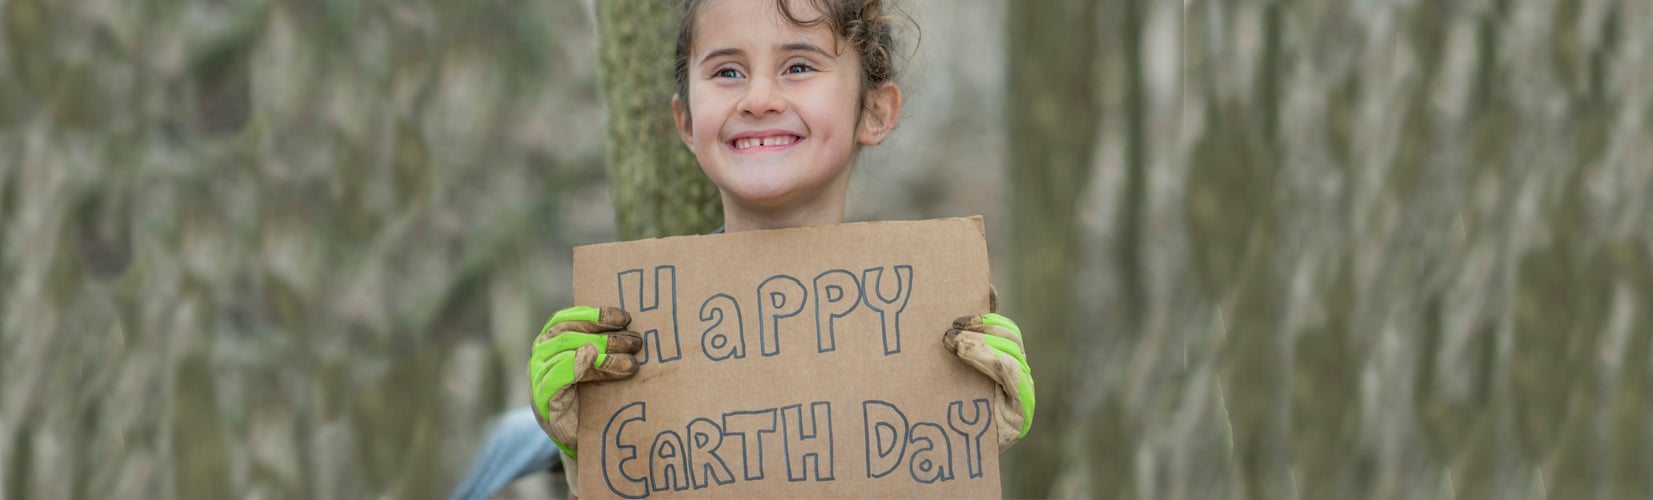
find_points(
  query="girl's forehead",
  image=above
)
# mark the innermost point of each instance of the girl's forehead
(755, 24)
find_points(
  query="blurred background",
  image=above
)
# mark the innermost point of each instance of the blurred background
(1303, 249)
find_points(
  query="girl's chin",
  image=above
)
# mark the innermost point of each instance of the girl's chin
(765, 181)
(773, 185)
(766, 198)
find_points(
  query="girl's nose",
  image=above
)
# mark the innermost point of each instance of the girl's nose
(762, 98)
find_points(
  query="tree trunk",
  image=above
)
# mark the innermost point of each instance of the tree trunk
(657, 187)
(1054, 107)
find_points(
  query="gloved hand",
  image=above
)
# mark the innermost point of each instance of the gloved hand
(992, 344)
(578, 344)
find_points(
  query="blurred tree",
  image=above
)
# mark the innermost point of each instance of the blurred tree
(1054, 116)
(657, 187)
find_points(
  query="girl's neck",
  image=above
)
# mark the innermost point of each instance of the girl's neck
(740, 217)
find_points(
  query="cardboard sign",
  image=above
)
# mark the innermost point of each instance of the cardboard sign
(792, 363)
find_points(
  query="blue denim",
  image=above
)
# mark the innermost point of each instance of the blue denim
(515, 447)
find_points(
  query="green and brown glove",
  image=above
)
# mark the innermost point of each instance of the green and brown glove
(578, 344)
(992, 344)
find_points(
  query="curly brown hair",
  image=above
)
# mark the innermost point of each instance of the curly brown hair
(866, 24)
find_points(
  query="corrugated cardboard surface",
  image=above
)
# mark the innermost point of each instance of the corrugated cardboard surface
(820, 352)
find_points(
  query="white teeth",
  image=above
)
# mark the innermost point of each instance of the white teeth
(778, 140)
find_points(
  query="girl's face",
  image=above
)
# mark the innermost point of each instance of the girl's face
(774, 109)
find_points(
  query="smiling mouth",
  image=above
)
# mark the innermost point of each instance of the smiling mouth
(746, 143)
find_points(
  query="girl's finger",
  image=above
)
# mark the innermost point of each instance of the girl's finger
(625, 341)
(994, 325)
(612, 366)
(585, 319)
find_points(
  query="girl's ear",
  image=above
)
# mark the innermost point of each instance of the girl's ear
(881, 111)
(680, 118)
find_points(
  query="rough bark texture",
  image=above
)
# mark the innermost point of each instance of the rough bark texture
(1054, 105)
(658, 188)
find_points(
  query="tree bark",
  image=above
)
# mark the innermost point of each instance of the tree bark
(657, 187)
(1054, 107)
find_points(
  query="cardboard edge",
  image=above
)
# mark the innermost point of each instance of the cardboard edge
(974, 220)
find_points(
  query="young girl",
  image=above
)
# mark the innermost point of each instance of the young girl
(775, 98)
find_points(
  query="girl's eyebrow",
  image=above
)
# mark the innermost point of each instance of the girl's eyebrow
(790, 47)
(730, 51)
(805, 47)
